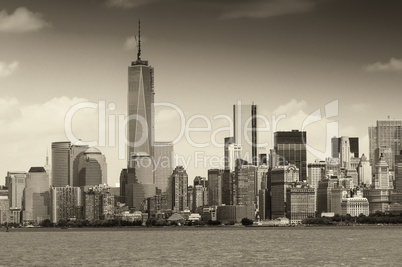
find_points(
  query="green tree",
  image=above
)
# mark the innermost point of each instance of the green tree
(246, 221)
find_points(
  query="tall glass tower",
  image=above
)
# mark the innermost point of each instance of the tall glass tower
(140, 182)
(245, 131)
(291, 148)
(385, 138)
(140, 106)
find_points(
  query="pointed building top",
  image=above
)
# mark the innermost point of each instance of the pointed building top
(139, 61)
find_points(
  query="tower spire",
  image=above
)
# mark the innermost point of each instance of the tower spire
(139, 41)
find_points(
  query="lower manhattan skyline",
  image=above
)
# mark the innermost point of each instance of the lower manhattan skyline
(290, 58)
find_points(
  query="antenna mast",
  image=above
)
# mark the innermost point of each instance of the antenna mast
(139, 41)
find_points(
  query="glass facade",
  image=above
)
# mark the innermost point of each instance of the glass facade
(290, 147)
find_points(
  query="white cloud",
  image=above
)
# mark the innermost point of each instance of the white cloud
(360, 107)
(265, 8)
(128, 3)
(6, 69)
(394, 64)
(22, 20)
(27, 130)
(130, 43)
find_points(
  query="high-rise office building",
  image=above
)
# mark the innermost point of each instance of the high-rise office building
(66, 159)
(227, 187)
(346, 149)
(66, 203)
(15, 182)
(260, 179)
(163, 158)
(36, 195)
(386, 135)
(140, 106)
(190, 196)
(300, 203)
(123, 181)
(372, 133)
(61, 163)
(99, 203)
(179, 179)
(198, 198)
(324, 194)
(215, 178)
(140, 151)
(290, 147)
(398, 178)
(338, 146)
(316, 173)
(92, 168)
(198, 180)
(364, 171)
(76, 154)
(279, 179)
(5, 214)
(244, 180)
(245, 131)
(232, 153)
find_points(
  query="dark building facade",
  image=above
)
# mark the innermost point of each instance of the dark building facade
(290, 147)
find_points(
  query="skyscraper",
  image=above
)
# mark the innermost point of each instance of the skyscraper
(232, 153)
(65, 161)
(215, 177)
(163, 155)
(140, 150)
(36, 195)
(385, 138)
(179, 181)
(245, 131)
(337, 145)
(364, 171)
(345, 148)
(66, 203)
(316, 173)
(244, 179)
(279, 179)
(76, 153)
(15, 182)
(290, 147)
(60, 163)
(92, 168)
(140, 105)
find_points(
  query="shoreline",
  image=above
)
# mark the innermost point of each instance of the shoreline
(184, 228)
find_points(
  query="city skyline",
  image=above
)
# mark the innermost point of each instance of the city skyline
(290, 59)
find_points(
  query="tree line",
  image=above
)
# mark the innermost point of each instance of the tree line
(375, 218)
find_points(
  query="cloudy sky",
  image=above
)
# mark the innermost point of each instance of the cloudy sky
(290, 57)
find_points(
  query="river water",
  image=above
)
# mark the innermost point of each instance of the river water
(204, 246)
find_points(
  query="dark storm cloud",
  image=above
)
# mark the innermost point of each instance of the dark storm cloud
(232, 9)
(260, 8)
(128, 3)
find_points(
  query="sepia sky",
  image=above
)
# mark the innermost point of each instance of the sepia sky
(290, 57)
